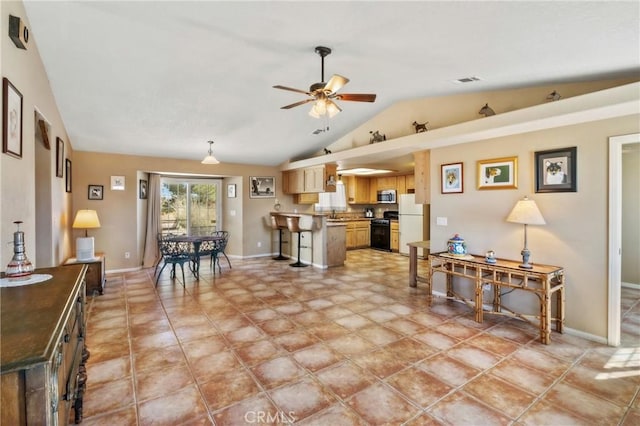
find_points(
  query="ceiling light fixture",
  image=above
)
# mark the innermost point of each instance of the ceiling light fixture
(210, 159)
(362, 171)
(324, 107)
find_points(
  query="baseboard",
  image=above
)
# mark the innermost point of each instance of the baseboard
(586, 336)
(567, 330)
(117, 271)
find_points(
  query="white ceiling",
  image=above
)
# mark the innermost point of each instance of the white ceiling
(162, 78)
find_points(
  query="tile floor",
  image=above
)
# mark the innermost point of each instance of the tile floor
(354, 345)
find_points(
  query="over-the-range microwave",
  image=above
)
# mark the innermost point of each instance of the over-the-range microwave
(387, 196)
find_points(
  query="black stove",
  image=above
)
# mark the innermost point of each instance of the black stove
(381, 231)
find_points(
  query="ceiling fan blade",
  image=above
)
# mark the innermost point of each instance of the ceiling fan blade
(291, 89)
(357, 97)
(297, 104)
(335, 83)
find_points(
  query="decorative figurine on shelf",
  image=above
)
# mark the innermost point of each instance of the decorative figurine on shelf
(19, 268)
(327, 151)
(490, 257)
(456, 246)
(377, 137)
(553, 96)
(420, 127)
(486, 111)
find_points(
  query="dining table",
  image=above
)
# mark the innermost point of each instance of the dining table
(196, 242)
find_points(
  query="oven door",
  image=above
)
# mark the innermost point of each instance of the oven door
(380, 237)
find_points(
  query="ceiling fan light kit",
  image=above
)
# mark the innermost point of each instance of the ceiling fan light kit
(323, 94)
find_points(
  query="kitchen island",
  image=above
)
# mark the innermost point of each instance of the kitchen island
(327, 246)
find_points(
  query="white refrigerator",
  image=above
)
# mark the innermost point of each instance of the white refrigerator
(413, 223)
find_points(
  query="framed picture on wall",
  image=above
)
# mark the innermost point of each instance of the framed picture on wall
(11, 119)
(262, 186)
(143, 189)
(95, 192)
(117, 183)
(556, 170)
(59, 157)
(498, 173)
(451, 178)
(231, 190)
(67, 171)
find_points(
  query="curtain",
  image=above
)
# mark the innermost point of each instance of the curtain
(151, 254)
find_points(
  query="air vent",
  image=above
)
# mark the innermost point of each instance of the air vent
(467, 80)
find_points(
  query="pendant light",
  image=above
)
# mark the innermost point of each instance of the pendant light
(210, 159)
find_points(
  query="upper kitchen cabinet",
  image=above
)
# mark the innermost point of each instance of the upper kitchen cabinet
(421, 174)
(387, 182)
(314, 179)
(406, 184)
(357, 189)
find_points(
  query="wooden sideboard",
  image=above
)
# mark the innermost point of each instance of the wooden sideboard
(95, 276)
(505, 275)
(43, 348)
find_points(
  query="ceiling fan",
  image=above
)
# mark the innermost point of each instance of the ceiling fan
(324, 94)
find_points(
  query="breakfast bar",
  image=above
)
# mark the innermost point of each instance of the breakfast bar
(325, 248)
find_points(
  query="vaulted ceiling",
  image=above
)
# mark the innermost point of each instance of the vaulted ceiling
(162, 78)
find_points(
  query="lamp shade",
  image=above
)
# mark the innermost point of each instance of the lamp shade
(86, 219)
(210, 159)
(526, 211)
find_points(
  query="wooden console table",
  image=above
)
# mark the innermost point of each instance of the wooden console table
(413, 261)
(541, 280)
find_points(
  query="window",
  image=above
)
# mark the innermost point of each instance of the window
(190, 206)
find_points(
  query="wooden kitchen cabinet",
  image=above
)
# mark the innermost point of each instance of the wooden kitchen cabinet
(357, 190)
(310, 180)
(318, 179)
(358, 234)
(293, 181)
(387, 182)
(395, 236)
(305, 198)
(363, 233)
(409, 184)
(405, 184)
(43, 332)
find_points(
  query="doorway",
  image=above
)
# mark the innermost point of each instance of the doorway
(616, 146)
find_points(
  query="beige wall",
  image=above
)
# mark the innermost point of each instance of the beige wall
(19, 177)
(575, 235)
(631, 214)
(122, 215)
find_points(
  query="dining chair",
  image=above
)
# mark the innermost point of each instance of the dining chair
(174, 253)
(219, 248)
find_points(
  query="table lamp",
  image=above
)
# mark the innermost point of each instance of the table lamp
(526, 212)
(84, 245)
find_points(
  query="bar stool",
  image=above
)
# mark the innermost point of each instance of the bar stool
(277, 227)
(294, 225)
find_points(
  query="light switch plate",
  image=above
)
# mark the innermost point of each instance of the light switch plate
(441, 221)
